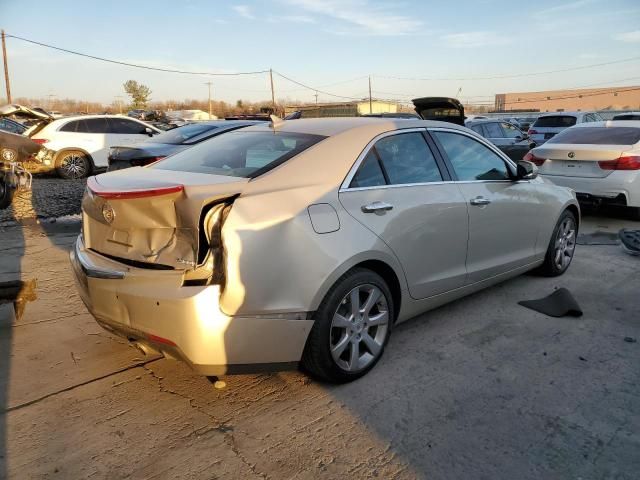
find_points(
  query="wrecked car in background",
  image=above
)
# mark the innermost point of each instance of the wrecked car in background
(19, 156)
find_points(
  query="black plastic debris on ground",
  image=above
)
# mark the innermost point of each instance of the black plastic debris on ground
(559, 304)
(630, 240)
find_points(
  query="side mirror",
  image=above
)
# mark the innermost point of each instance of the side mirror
(148, 131)
(526, 170)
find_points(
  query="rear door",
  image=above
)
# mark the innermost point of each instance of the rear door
(502, 212)
(88, 134)
(400, 190)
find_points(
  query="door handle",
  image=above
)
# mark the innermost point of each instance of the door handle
(480, 201)
(377, 207)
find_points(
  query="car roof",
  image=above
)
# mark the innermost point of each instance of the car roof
(568, 114)
(334, 126)
(85, 117)
(610, 123)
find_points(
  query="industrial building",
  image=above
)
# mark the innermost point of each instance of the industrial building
(343, 109)
(609, 98)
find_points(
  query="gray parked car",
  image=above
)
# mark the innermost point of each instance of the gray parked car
(550, 124)
(504, 135)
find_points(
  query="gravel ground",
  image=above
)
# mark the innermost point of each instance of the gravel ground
(49, 197)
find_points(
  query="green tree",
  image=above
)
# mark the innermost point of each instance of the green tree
(138, 92)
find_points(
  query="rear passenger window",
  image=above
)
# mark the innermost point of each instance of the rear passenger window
(70, 127)
(470, 159)
(370, 173)
(493, 130)
(510, 131)
(478, 129)
(406, 158)
(95, 125)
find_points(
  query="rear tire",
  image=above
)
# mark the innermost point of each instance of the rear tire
(561, 246)
(351, 328)
(6, 194)
(72, 164)
(633, 213)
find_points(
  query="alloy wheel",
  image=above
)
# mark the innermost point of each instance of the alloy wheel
(359, 328)
(565, 244)
(74, 165)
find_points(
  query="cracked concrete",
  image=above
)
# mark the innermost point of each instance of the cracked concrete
(481, 388)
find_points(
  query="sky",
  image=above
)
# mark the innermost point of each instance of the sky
(409, 48)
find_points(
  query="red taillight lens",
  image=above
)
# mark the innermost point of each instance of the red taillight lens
(100, 191)
(530, 157)
(41, 141)
(631, 162)
(532, 132)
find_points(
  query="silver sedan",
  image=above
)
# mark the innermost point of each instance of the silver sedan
(305, 242)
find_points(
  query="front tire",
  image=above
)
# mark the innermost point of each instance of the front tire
(351, 329)
(73, 164)
(561, 246)
(6, 194)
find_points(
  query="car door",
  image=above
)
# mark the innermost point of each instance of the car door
(87, 134)
(503, 224)
(125, 131)
(400, 190)
(517, 146)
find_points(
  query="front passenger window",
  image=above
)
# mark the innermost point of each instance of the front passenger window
(470, 159)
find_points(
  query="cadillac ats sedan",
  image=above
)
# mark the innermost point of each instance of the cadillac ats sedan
(305, 242)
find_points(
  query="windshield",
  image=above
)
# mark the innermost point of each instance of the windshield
(240, 153)
(598, 136)
(180, 135)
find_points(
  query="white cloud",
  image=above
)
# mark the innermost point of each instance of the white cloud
(563, 7)
(366, 17)
(244, 11)
(629, 37)
(291, 19)
(474, 39)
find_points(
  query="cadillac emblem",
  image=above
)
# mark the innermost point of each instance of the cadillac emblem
(108, 213)
(571, 154)
(9, 155)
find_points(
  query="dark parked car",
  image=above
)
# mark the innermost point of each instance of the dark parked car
(11, 126)
(627, 116)
(169, 142)
(504, 135)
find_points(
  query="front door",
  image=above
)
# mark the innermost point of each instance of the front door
(503, 213)
(398, 193)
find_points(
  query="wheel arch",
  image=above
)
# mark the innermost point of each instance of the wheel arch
(74, 149)
(573, 208)
(379, 263)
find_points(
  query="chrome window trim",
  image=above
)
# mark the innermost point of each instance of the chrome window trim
(344, 186)
(354, 168)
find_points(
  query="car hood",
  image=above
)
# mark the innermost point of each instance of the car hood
(152, 216)
(443, 109)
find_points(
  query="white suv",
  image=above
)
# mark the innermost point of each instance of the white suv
(548, 125)
(82, 143)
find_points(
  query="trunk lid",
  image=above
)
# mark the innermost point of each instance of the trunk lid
(442, 109)
(572, 160)
(41, 118)
(151, 217)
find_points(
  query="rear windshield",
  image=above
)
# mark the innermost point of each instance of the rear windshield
(598, 136)
(240, 153)
(555, 121)
(180, 135)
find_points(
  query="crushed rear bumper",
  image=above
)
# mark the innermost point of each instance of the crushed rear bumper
(153, 308)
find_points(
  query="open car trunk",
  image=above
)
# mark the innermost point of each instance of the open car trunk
(20, 111)
(158, 219)
(442, 109)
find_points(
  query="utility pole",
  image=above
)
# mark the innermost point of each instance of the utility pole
(273, 93)
(119, 103)
(370, 100)
(51, 95)
(6, 68)
(209, 85)
(316, 95)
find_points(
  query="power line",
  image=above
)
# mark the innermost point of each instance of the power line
(315, 89)
(518, 75)
(127, 64)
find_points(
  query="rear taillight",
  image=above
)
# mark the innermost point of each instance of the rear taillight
(530, 157)
(41, 141)
(532, 132)
(100, 191)
(631, 162)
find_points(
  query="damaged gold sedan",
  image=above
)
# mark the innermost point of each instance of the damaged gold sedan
(306, 241)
